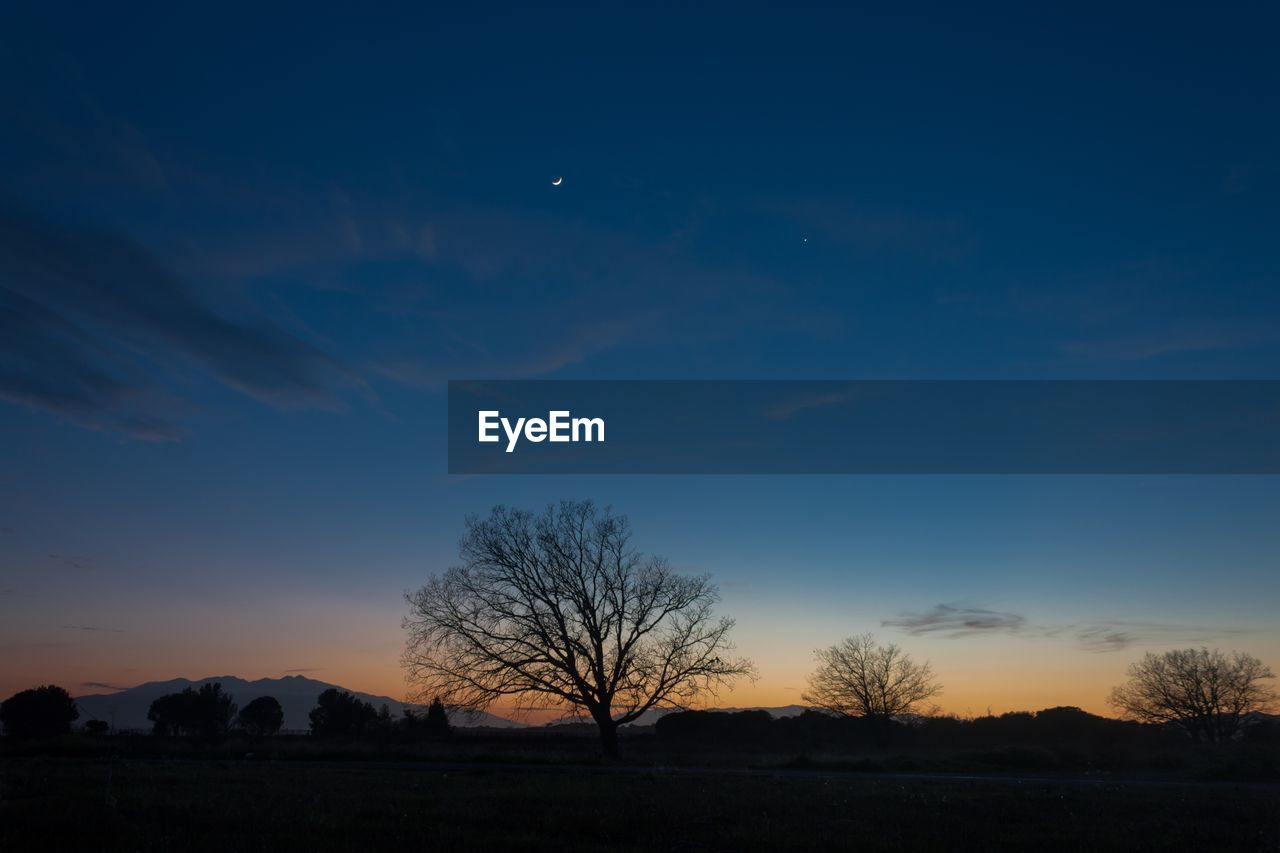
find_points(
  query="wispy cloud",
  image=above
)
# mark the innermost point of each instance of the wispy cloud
(789, 408)
(1104, 638)
(555, 313)
(1149, 345)
(93, 628)
(1117, 635)
(102, 685)
(55, 365)
(89, 320)
(1105, 635)
(956, 620)
(578, 345)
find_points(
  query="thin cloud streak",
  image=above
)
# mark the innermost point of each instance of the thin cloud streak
(90, 320)
(954, 621)
(102, 685)
(1158, 344)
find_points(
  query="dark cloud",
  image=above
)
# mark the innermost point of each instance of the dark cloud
(1117, 635)
(957, 620)
(102, 685)
(73, 562)
(1102, 638)
(93, 628)
(89, 317)
(1108, 635)
(49, 363)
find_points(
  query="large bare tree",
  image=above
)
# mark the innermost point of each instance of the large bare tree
(556, 610)
(1207, 693)
(859, 677)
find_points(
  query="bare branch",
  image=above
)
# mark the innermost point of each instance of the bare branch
(860, 678)
(556, 610)
(1204, 692)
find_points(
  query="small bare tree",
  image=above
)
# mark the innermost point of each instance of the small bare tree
(557, 611)
(858, 677)
(1204, 692)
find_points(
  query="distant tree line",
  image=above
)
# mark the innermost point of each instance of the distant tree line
(1183, 694)
(817, 730)
(208, 712)
(1054, 739)
(863, 692)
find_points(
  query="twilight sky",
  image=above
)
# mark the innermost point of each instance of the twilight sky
(241, 250)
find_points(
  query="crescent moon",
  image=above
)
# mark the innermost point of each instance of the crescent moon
(557, 182)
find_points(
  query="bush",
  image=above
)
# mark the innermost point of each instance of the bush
(206, 712)
(40, 712)
(340, 714)
(262, 717)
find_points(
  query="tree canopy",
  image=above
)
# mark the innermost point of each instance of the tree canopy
(40, 712)
(859, 677)
(340, 714)
(261, 717)
(206, 712)
(1204, 692)
(557, 610)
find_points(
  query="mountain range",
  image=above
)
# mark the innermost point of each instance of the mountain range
(127, 709)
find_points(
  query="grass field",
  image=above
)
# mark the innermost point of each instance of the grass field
(93, 804)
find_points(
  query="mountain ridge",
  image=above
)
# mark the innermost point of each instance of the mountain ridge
(126, 709)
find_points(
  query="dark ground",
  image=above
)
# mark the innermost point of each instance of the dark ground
(97, 803)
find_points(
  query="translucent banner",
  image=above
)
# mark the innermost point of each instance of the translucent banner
(864, 427)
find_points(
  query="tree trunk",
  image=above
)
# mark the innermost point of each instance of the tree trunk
(608, 736)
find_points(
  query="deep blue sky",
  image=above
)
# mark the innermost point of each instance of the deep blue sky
(242, 249)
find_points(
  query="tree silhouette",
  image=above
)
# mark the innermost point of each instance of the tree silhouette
(340, 714)
(437, 721)
(262, 717)
(206, 712)
(557, 611)
(858, 677)
(46, 711)
(215, 710)
(97, 728)
(1204, 692)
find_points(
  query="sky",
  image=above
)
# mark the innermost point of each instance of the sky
(243, 249)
